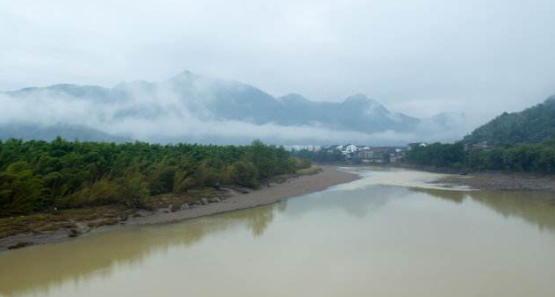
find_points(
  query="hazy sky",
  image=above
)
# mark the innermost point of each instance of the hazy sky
(415, 56)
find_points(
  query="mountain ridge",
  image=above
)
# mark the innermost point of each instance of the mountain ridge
(189, 95)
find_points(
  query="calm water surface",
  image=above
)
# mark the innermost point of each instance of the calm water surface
(388, 234)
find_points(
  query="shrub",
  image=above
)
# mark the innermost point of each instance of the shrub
(244, 174)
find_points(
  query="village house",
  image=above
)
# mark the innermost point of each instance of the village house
(333, 148)
(397, 155)
(370, 155)
(380, 155)
(345, 149)
(349, 149)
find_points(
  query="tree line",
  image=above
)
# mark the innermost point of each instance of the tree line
(37, 176)
(531, 157)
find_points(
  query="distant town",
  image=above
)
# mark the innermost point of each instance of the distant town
(360, 153)
(352, 153)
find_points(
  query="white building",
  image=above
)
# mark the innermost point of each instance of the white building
(348, 149)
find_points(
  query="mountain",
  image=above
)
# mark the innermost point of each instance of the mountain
(448, 120)
(230, 100)
(48, 133)
(357, 112)
(532, 125)
(194, 107)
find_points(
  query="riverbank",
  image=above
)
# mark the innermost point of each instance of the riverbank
(491, 180)
(226, 200)
(503, 181)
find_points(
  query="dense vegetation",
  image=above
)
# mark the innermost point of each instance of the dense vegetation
(37, 175)
(535, 157)
(532, 125)
(521, 141)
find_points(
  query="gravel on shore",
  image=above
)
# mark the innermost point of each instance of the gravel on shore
(304, 184)
(503, 181)
(491, 180)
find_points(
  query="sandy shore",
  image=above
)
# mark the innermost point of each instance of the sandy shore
(301, 185)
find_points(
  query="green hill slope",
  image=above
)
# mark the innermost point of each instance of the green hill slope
(532, 125)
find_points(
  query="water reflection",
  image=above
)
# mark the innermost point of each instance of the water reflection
(356, 203)
(374, 234)
(41, 268)
(537, 208)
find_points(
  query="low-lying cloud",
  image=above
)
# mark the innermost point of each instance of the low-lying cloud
(164, 117)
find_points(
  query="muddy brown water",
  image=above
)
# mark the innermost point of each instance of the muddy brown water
(387, 234)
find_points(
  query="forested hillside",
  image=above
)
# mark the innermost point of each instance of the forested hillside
(37, 175)
(532, 125)
(523, 141)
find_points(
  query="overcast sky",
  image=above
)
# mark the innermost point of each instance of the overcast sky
(415, 56)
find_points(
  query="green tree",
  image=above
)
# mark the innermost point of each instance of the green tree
(20, 190)
(244, 173)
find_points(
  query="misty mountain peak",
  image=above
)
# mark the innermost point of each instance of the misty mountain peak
(185, 76)
(71, 90)
(449, 114)
(293, 98)
(368, 106)
(360, 99)
(191, 99)
(136, 84)
(447, 119)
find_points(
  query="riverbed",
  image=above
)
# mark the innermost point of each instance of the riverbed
(393, 232)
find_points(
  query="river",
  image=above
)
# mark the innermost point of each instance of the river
(390, 233)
